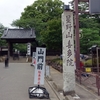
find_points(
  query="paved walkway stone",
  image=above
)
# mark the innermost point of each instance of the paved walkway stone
(15, 81)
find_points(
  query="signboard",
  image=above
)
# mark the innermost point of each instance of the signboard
(47, 70)
(28, 49)
(40, 66)
(88, 69)
(34, 58)
(94, 6)
(68, 51)
(68, 39)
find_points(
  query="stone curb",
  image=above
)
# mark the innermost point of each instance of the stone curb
(58, 90)
(57, 87)
(69, 97)
(49, 78)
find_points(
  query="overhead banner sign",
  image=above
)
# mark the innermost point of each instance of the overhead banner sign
(40, 66)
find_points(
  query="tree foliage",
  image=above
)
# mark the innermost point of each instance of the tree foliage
(21, 47)
(90, 37)
(1, 28)
(53, 34)
(2, 42)
(45, 17)
(90, 26)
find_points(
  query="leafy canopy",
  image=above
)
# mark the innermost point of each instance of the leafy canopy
(45, 17)
(2, 42)
(90, 26)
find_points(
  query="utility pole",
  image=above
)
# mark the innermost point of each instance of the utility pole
(77, 42)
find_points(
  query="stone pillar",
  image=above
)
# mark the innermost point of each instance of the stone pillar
(68, 53)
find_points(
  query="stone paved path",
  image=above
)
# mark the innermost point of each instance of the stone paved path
(15, 81)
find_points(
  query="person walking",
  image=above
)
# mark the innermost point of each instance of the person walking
(6, 61)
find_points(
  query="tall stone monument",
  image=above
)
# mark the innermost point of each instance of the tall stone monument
(68, 52)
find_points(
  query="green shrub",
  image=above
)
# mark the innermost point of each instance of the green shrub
(88, 63)
(58, 61)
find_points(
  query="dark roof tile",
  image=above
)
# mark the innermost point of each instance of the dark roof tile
(18, 34)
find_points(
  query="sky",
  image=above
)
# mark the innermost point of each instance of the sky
(10, 10)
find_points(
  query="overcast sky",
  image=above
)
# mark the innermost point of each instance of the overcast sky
(11, 10)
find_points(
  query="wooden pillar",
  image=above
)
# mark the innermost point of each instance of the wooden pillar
(0, 50)
(77, 41)
(11, 49)
(8, 49)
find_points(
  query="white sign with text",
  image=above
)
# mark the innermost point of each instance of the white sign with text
(28, 49)
(68, 51)
(47, 71)
(40, 66)
(34, 58)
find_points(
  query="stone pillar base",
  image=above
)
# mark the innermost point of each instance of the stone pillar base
(69, 93)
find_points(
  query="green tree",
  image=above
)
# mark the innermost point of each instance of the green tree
(90, 26)
(53, 34)
(21, 47)
(40, 15)
(1, 28)
(90, 37)
(2, 42)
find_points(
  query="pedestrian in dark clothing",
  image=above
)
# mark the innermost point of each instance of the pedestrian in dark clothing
(6, 61)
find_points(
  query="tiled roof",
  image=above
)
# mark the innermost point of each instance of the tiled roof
(18, 34)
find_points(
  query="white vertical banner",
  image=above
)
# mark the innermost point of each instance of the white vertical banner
(68, 51)
(28, 49)
(40, 66)
(34, 58)
(47, 72)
